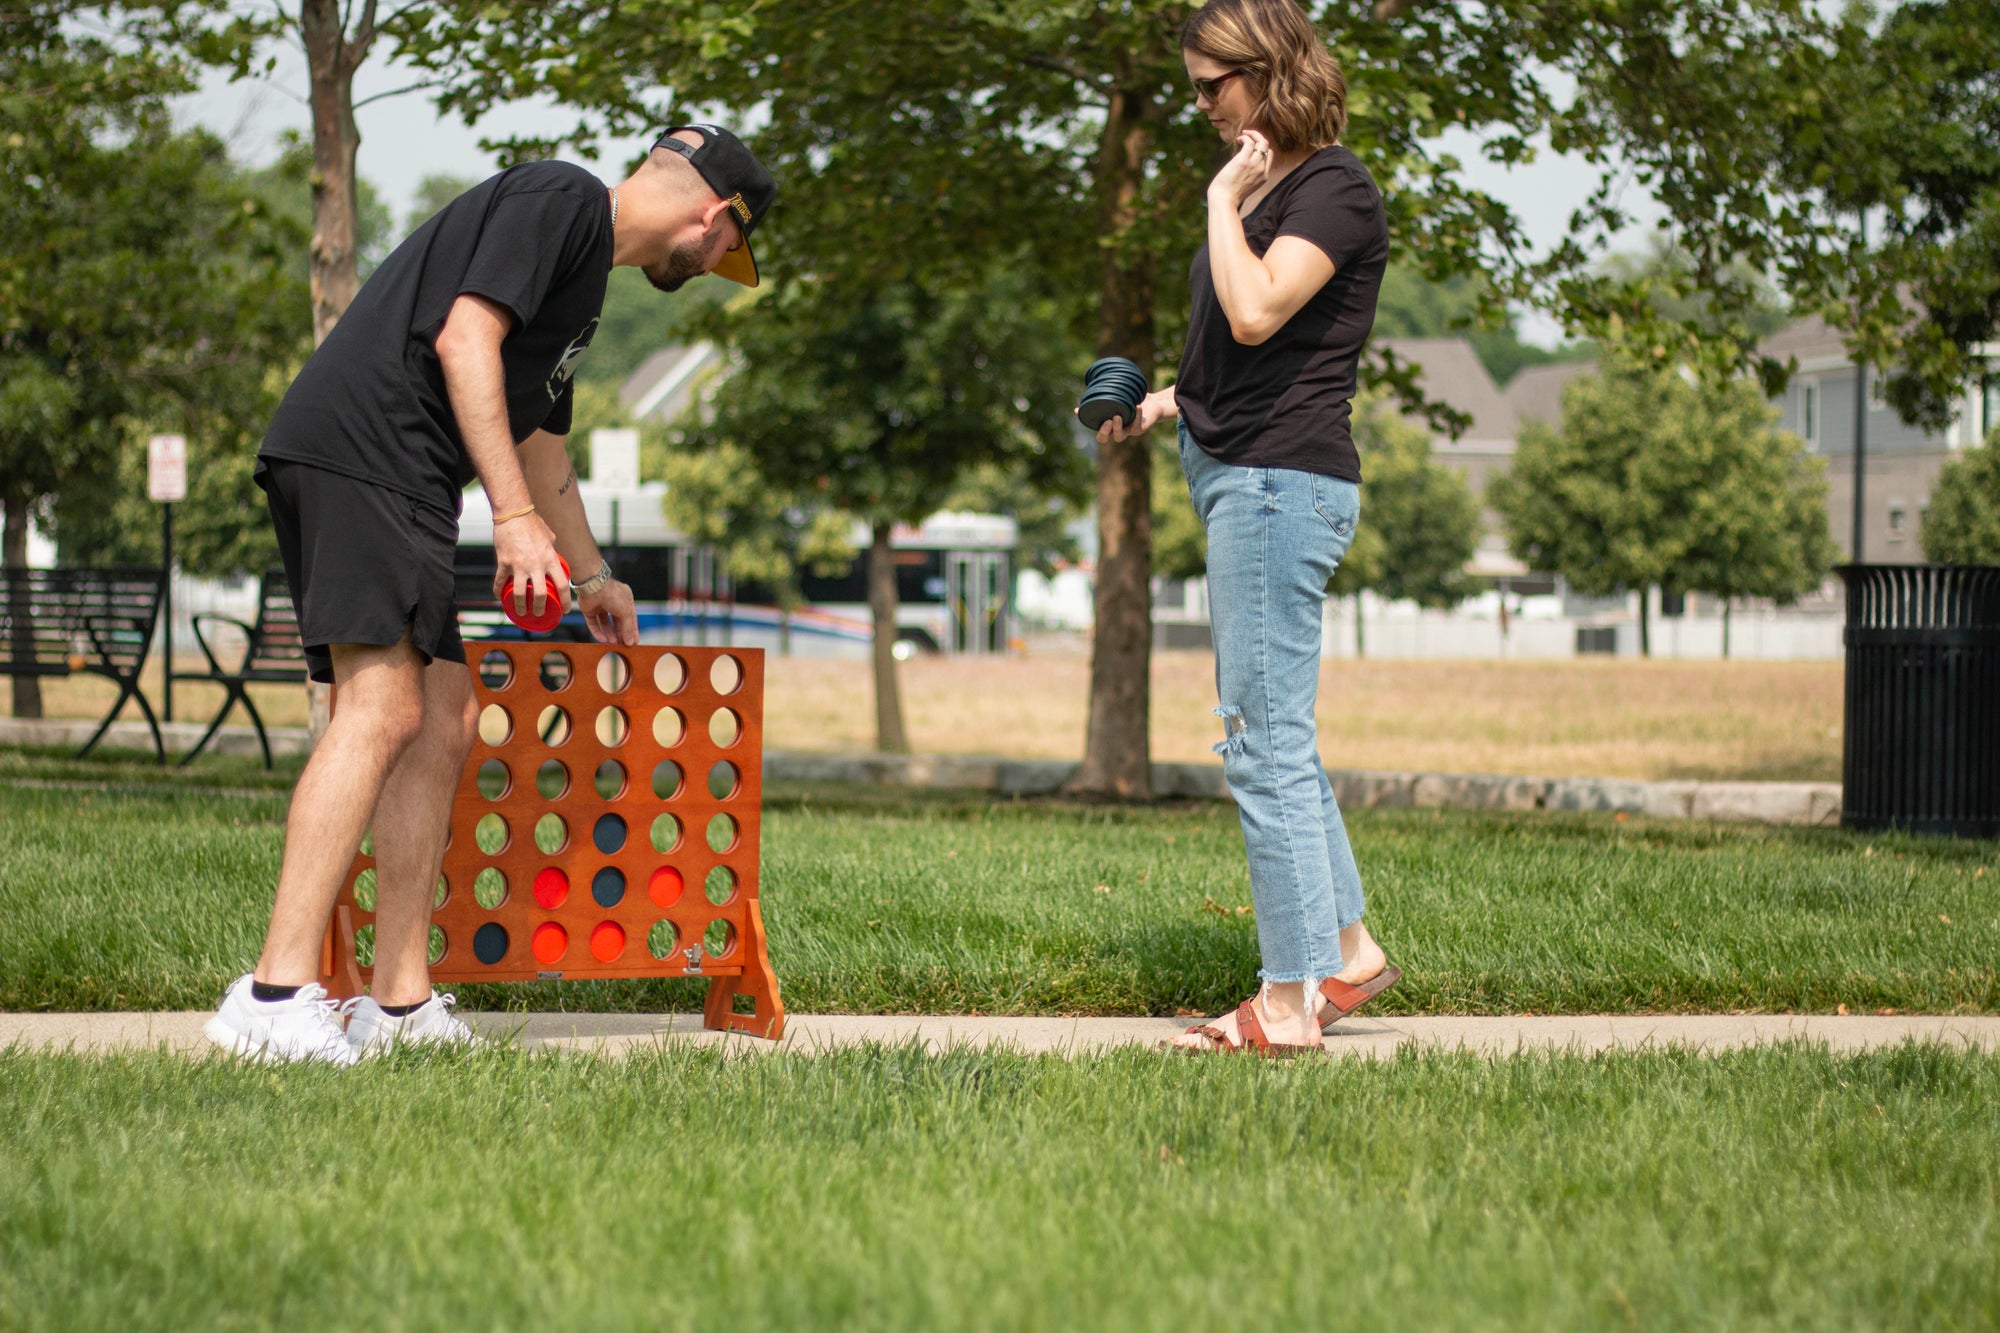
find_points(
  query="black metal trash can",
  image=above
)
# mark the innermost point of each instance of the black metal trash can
(1922, 746)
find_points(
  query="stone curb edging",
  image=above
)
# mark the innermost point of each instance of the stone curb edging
(71, 733)
(1492, 1036)
(1805, 803)
(1810, 803)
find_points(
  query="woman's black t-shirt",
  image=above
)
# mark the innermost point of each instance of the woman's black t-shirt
(1286, 402)
(371, 401)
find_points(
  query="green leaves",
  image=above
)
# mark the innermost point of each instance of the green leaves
(1419, 521)
(1962, 525)
(1656, 479)
(143, 286)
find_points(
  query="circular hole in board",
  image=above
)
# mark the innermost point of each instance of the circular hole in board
(665, 833)
(669, 726)
(670, 674)
(551, 888)
(720, 886)
(364, 947)
(666, 779)
(723, 780)
(495, 780)
(724, 726)
(496, 725)
(496, 669)
(665, 887)
(663, 940)
(438, 945)
(489, 890)
(555, 671)
(721, 833)
(491, 834)
(364, 890)
(553, 725)
(489, 943)
(612, 726)
(609, 780)
(719, 939)
(551, 834)
(552, 780)
(614, 673)
(440, 893)
(726, 675)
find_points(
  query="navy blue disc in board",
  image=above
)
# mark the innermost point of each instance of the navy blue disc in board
(607, 887)
(608, 833)
(489, 943)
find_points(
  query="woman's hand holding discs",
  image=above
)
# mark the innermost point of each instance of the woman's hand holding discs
(1152, 409)
(1244, 174)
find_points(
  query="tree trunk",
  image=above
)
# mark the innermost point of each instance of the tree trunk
(1360, 640)
(27, 689)
(1646, 621)
(1117, 756)
(1725, 629)
(889, 735)
(334, 257)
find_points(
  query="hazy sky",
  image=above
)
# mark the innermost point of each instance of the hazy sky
(403, 140)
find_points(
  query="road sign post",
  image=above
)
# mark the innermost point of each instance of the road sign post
(166, 482)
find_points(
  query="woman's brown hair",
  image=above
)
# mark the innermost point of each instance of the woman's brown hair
(1302, 98)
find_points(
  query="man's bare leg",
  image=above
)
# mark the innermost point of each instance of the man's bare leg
(380, 711)
(412, 822)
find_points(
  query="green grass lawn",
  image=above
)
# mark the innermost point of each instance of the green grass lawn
(1783, 1188)
(149, 892)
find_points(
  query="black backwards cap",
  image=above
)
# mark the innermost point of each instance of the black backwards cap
(738, 178)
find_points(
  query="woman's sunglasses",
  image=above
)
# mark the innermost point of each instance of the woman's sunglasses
(1212, 88)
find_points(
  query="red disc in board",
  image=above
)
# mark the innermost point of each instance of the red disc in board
(607, 941)
(551, 888)
(550, 943)
(665, 887)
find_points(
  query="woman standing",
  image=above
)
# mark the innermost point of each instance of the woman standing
(1284, 295)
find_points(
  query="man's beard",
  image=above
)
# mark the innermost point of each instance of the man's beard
(684, 263)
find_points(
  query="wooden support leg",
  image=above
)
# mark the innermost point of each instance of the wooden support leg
(758, 981)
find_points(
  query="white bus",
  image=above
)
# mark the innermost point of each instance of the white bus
(954, 582)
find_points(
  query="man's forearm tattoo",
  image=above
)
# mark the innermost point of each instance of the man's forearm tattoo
(567, 481)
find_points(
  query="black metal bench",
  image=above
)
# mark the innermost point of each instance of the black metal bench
(272, 655)
(100, 622)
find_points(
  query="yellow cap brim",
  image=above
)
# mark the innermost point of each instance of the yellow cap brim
(738, 266)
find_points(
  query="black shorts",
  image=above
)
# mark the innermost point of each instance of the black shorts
(365, 563)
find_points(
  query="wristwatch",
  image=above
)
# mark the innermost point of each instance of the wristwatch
(594, 582)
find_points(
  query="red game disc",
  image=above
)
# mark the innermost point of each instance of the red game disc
(607, 941)
(550, 943)
(551, 888)
(552, 604)
(665, 887)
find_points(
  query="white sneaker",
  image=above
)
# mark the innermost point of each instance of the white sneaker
(371, 1031)
(279, 1031)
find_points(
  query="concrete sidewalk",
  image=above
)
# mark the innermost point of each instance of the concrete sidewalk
(618, 1034)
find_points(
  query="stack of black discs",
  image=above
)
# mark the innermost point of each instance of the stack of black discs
(1112, 387)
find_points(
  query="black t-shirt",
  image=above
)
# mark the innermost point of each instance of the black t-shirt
(371, 401)
(1286, 402)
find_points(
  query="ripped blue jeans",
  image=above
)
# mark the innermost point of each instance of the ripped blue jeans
(1275, 536)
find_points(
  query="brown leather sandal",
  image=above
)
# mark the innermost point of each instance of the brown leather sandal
(1250, 1037)
(1344, 999)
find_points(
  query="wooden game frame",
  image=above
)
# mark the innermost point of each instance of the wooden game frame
(533, 739)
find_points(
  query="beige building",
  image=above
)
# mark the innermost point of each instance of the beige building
(1901, 461)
